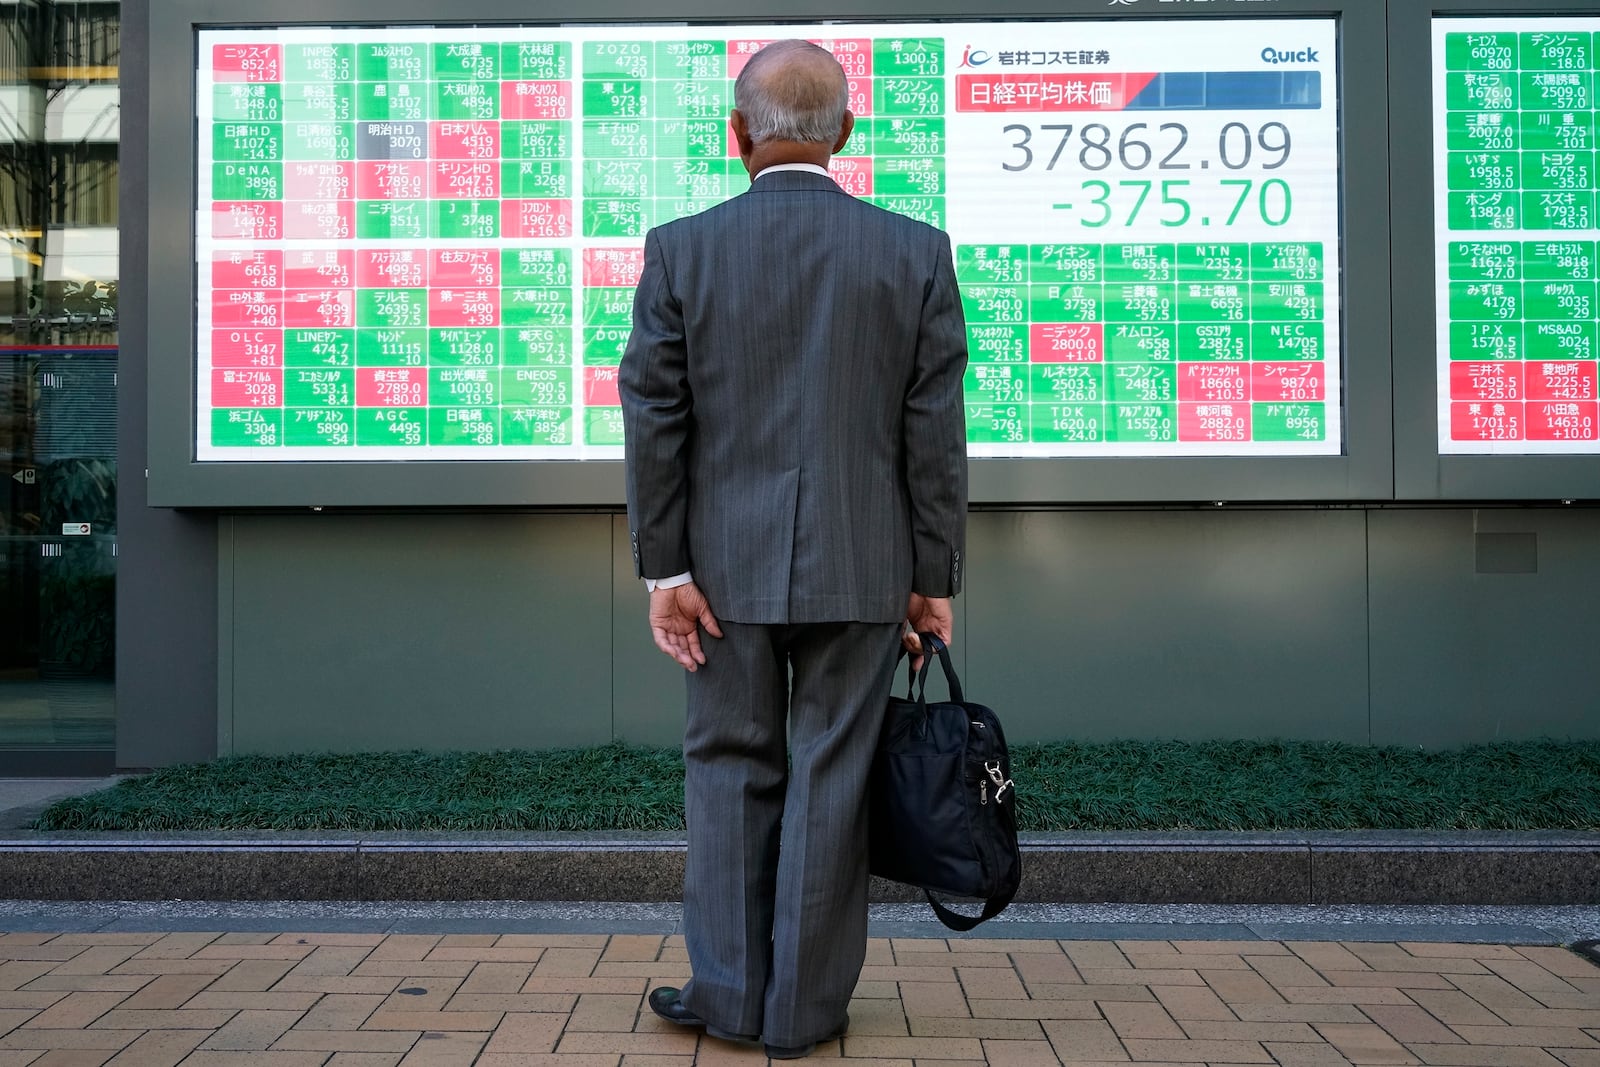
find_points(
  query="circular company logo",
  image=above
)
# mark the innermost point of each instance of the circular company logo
(974, 57)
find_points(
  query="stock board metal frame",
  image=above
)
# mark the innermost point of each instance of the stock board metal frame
(176, 479)
(1421, 471)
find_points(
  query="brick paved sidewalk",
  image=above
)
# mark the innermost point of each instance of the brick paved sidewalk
(200, 999)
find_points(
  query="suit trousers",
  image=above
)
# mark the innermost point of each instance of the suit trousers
(775, 888)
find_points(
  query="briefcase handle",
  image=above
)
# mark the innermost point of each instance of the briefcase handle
(931, 645)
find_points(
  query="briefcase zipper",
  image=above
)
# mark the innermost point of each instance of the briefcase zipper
(1001, 782)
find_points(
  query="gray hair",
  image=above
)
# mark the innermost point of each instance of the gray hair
(792, 91)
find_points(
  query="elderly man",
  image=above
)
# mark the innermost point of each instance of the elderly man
(797, 493)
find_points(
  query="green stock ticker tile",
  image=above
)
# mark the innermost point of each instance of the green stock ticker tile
(536, 266)
(618, 98)
(247, 102)
(543, 140)
(1486, 301)
(994, 303)
(608, 305)
(536, 306)
(1067, 383)
(603, 346)
(319, 140)
(464, 386)
(471, 425)
(1564, 210)
(1485, 210)
(1481, 91)
(618, 59)
(1486, 341)
(247, 142)
(992, 264)
(394, 308)
(908, 56)
(616, 217)
(465, 61)
(1564, 91)
(392, 426)
(464, 100)
(997, 343)
(395, 100)
(536, 60)
(1286, 421)
(928, 209)
(1558, 260)
(892, 96)
(602, 426)
(311, 387)
(538, 346)
(321, 347)
(464, 346)
(1488, 260)
(475, 218)
(691, 60)
(1558, 170)
(1552, 131)
(391, 347)
(247, 181)
(1484, 131)
(544, 179)
(319, 62)
(550, 425)
(1559, 301)
(1480, 51)
(253, 427)
(392, 62)
(319, 103)
(391, 219)
(319, 426)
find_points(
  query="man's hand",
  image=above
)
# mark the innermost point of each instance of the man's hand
(676, 615)
(927, 614)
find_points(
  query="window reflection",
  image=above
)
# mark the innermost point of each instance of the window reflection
(59, 131)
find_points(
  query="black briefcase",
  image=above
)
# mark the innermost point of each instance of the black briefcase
(941, 803)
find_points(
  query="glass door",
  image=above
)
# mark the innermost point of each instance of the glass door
(59, 126)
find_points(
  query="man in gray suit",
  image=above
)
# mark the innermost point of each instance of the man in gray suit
(797, 489)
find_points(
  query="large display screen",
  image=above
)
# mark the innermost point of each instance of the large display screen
(1515, 228)
(421, 243)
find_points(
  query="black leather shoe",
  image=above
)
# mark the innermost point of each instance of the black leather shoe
(665, 1003)
(795, 1052)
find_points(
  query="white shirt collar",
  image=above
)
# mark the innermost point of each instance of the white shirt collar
(809, 167)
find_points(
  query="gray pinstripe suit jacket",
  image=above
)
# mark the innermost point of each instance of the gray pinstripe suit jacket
(792, 404)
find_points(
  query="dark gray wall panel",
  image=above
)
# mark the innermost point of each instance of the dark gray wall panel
(1467, 644)
(647, 687)
(166, 560)
(1093, 625)
(444, 631)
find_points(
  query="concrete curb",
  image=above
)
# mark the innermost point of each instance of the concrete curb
(1154, 868)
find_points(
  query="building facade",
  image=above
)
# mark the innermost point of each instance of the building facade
(155, 609)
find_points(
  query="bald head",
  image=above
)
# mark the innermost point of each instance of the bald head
(792, 91)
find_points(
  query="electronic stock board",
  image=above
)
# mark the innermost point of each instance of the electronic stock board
(1497, 313)
(417, 244)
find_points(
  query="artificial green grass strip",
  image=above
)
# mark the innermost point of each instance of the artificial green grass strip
(1287, 785)
(613, 787)
(1125, 785)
